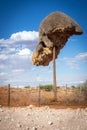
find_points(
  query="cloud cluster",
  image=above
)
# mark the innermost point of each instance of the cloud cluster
(82, 57)
(16, 66)
(15, 55)
(24, 36)
(74, 62)
(17, 41)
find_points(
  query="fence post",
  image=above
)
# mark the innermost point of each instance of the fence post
(66, 89)
(66, 95)
(9, 95)
(39, 96)
(80, 89)
(54, 75)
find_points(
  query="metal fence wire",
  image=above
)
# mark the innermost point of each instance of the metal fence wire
(10, 96)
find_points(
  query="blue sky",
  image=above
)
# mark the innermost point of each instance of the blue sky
(19, 24)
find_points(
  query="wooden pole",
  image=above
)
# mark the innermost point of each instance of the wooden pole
(66, 89)
(9, 95)
(54, 75)
(39, 96)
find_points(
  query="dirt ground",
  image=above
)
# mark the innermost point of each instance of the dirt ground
(42, 118)
(68, 113)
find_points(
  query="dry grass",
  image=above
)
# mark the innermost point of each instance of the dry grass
(27, 96)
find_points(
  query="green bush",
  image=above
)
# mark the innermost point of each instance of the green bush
(27, 87)
(72, 86)
(46, 87)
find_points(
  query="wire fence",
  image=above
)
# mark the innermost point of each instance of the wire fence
(10, 96)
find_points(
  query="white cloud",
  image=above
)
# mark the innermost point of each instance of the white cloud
(25, 38)
(25, 51)
(3, 57)
(82, 56)
(18, 70)
(16, 51)
(71, 62)
(16, 64)
(2, 66)
(5, 42)
(15, 56)
(2, 74)
(74, 62)
(24, 35)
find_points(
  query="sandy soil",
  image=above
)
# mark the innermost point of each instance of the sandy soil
(42, 118)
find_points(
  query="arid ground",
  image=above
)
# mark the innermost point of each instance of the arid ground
(35, 109)
(66, 97)
(42, 118)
